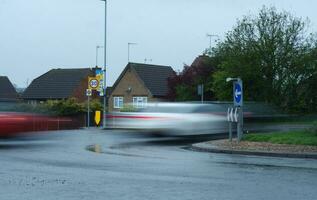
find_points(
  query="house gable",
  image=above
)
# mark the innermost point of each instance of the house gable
(128, 86)
(141, 80)
(7, 90)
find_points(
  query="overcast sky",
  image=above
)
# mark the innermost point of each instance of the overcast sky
(38, 35)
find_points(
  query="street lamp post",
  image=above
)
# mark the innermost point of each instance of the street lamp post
(104, 69)
(129, 44)
(97, 47)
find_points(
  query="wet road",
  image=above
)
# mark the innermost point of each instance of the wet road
(140, 166)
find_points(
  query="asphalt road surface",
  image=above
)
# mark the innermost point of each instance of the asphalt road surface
(59, 165)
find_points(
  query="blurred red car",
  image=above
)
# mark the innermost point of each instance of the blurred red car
(12, 124)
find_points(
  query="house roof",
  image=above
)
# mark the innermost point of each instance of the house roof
(7, 91)
(154, 77)
(56, 83)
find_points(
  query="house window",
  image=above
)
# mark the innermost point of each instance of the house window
(117, 102)
(139, 102)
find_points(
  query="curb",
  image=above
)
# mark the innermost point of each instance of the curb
(203, 147)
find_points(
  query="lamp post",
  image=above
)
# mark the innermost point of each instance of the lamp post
(97, 47)
(129, 44)
(104, 69)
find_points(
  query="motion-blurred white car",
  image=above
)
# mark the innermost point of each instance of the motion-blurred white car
(181, 118)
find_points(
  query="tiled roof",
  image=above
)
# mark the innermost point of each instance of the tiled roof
(7, 91)
(56, 83)
(154, 77)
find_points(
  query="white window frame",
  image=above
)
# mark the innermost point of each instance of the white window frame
(118, 102)
(140, 101)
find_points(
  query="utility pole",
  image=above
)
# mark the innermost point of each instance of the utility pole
(104, 69)
(97, 47)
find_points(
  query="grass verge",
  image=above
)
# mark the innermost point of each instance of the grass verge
(304, 137)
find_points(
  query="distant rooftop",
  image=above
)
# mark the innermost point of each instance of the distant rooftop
(7, 90)
(56, 83)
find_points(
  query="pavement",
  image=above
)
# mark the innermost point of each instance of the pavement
(108, 164)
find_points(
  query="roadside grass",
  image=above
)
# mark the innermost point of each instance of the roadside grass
(304, 137)
(305, 119)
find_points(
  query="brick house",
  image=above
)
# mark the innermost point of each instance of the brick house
(7, 90)
(139, 84)
(59, 84)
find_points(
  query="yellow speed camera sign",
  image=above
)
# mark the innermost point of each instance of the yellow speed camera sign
(93, 83)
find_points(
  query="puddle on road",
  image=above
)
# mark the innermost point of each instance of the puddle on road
(94, 148)
(97, 148)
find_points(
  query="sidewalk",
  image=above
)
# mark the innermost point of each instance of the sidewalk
(257, 149)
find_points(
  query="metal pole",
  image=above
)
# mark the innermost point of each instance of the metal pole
(128, 52)
(96, 56)
(202, 93)
(239, 124)
(97, 48)
(88, 113)
(230, 131)
(241, 110)
(240, 121)
(104, 69)
(230, 123)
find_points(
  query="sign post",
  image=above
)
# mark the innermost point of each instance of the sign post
(232, 117)
(200, 91)
(97, 117)
(101, 77)
(88, 94)
(238, 103)
(238, 108)
(93, 83)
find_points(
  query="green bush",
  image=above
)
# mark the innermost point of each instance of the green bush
(94, 105)
(64, 107)
(60, 107)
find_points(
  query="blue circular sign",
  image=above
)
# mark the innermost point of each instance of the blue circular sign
(237, 92)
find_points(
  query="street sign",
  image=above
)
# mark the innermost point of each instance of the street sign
(97, 117)
(100, 78)
(237, 93)
(236, 114)
(93, 83)
(88, 92)
(199, 89)
(232, 114)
